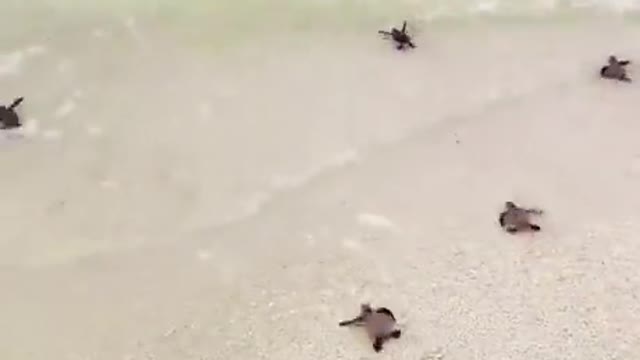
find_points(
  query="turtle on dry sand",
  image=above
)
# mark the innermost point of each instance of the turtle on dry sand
(379, 324)
(615, 69)
(515, 219)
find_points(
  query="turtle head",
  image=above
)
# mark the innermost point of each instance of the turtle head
(366, 309)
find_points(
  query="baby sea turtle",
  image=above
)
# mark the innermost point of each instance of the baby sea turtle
(514, 218)
(9, 119)
(401, 37)
(615, 69)
(379, 324)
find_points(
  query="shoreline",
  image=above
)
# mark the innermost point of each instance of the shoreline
(337, 76)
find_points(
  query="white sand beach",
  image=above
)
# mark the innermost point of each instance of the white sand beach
(178, 192)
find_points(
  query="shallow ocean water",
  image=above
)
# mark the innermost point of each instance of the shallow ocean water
(130, 105)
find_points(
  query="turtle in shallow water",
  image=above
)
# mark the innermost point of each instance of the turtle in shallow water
(615, 69)
(514, 219)
(400, 37)
(379, 323)
(9, 119)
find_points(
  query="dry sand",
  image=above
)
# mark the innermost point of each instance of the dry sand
(165, 203)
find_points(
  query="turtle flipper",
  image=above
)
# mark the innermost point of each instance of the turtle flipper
(603, 71)
(501, 218)
(377, 343)
(511, 229)
(357, 321)
(15, 103)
